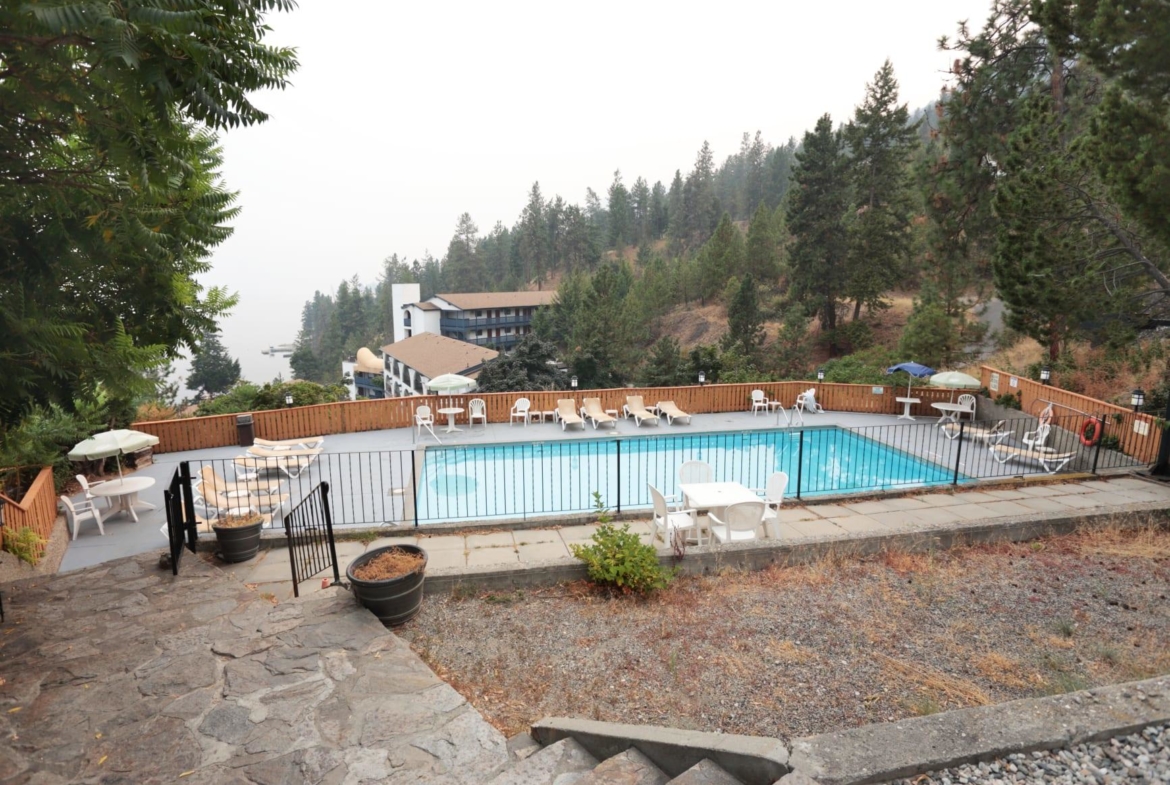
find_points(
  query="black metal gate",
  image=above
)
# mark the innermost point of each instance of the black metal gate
(179, 502)
(309, 530)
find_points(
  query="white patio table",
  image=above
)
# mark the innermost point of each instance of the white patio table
(715, 496)
(951, 412)
(451, 411)
(123, 493)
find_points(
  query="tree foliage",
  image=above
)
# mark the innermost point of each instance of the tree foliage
(213, 370)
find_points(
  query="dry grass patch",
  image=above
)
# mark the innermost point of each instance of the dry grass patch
(1005, 671)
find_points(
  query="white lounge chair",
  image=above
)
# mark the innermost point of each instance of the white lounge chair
(209, 477)
(1048, 458)
(75, 514)
(979, 431)
(257, 451)
(760, 402)
(476, 410)
(423, 418)
(669, 523)
(740, 522)
(521, 410)
(773, 492)
(235, 504)
(807, 402)
(290, 465)
(306, 443)
(695, 471)
(672, 412)
(567, 414)
(635, 407)
(591, 409)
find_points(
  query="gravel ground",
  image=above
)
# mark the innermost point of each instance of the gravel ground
(1142, 757)
(804, 650)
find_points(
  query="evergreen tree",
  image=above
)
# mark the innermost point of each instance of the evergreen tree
(676, 214)
(213, 371)
(462, 269)
(745, 323)
(930, 337)
(533, 238)
(640, 206)
(880, 139)
(791, 350)
(762, 253)
(815, 218)
(621, 214)
(531, 365)
(721, 258)
(665, 366)
(659, 211)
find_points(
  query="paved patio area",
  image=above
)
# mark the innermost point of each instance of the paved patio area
(124, 674)
(270, 572)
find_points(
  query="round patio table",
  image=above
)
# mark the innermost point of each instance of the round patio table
(451, 412)
(123, 493)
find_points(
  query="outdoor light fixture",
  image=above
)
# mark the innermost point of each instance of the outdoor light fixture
(820, 374)
(1045, 375)
(573, 382)
(702, 378)
(288, 399)
(1138, 399)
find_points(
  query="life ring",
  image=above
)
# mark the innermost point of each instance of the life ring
(1090, 432)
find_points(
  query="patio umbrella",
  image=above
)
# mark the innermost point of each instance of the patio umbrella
(915, 370)
(450, 382)
(112, 443)
(954, 380)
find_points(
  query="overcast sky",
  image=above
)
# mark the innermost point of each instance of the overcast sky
(404, 115)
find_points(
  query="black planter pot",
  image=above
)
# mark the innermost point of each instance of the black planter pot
(393, 601)
(238, 543)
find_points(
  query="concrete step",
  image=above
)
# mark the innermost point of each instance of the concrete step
(626, 768)
(522, 745)
(705, 773)
(563, 763)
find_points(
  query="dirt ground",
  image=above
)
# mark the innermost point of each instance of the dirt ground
(802, 650)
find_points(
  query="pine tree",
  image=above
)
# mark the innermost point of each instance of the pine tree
(930, 337)
(533, 241)
(621, 214)
(721, 258)
(791, 348)
(880, 139)
(815, 217)
(640, 207)
(659, 212)
(762, 255)
(665, 366)
(462, 268)
(213, 370)
(745, 322)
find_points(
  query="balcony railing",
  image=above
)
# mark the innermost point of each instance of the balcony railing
(452, 323)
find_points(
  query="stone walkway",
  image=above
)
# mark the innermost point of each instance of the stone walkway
(270, 573)
(122, 673)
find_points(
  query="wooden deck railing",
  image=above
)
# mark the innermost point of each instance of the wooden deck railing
(1138, 435)
(37, 510)
(198, 433)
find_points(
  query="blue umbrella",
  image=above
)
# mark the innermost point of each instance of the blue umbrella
(914, 369)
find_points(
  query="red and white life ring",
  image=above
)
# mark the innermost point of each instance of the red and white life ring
(1090, 432)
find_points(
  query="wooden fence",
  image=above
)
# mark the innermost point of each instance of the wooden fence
(198, 433)
(37, 510)
(1138, 435)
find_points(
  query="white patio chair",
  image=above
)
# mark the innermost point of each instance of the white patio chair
(695, 471)
(86, 485)
(75, 514)
(521, 410)
(740, 522)
(476, 410)
(759, 402)
(807, 402)
(1037, 438)
(674, 523)
(967, 400)
(424, 419)
(773, 492)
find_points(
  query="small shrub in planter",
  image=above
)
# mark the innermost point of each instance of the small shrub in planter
(238, 536)
(389, 582)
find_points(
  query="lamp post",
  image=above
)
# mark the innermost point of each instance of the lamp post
(288, 399)
(1045, 375)
(820, 375)
(573, 382)
(702, 378)
(1138, 399)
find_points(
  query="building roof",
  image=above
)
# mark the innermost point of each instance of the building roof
(471, 301)
(432, 354)
(423, 306)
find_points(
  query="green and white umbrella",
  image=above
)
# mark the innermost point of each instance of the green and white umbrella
(954, 380)
(112, 444)
(451, 383)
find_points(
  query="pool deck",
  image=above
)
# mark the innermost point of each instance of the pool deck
(935, 515)
(124, 537)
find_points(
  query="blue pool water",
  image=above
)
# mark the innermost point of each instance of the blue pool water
(547, 478)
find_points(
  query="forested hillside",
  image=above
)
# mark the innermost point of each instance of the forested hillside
(1021, 181)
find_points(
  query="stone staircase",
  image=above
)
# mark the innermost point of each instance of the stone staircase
(566, 762)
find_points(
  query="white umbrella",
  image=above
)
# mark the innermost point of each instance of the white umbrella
(112, 443)
(450, 382)
(955, 380)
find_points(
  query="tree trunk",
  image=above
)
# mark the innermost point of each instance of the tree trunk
(857, 310)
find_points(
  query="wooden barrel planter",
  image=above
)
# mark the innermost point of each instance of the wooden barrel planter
(396, 599)
(239, 538)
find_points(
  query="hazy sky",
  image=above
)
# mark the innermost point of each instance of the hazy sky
(404, 115)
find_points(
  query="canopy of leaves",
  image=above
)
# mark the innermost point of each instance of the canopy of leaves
(213, 370)
(532, 365)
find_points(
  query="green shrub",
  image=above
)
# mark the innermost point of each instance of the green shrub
(1008, 401)
(25, 544)
(619, 560)
(43, 437)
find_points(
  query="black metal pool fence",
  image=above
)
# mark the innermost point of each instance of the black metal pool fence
(504, 481)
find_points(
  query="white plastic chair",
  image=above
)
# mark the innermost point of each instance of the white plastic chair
(1037, 438)
(476, 410)
(759, 402)
(695, 471)
(773, 491)
(75, 514)
(672, 523)
(424, 419)
(520, 410)
(807, 401)
(740, 522)
(967, 400)
(86, 485)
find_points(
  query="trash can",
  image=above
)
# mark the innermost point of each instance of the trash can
(244, 430)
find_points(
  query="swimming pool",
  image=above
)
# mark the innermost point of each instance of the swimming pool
(548, 478)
